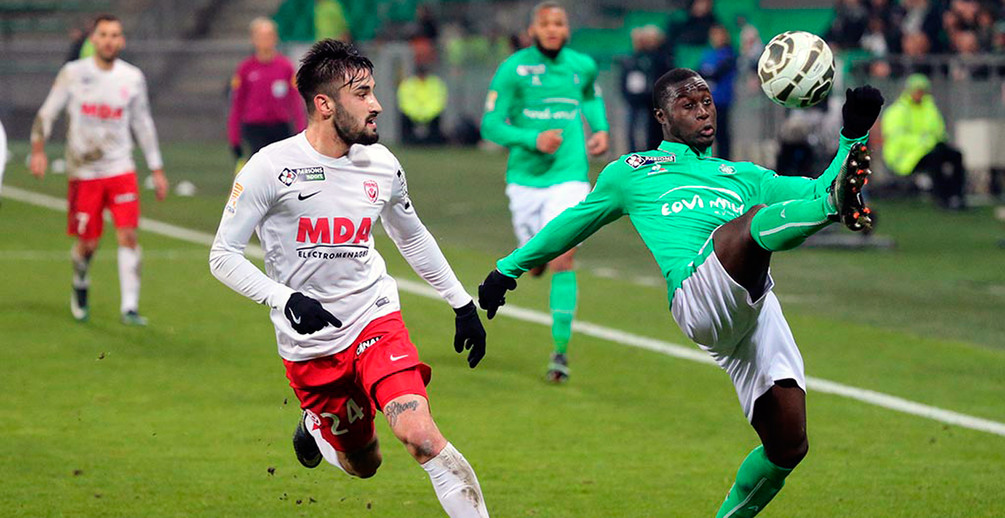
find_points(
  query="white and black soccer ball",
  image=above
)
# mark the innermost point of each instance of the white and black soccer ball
(796, 69)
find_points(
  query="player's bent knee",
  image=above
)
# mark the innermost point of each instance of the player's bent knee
(363, 463)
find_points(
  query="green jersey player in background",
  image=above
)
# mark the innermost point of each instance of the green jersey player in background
(535, 107)
(712, 226)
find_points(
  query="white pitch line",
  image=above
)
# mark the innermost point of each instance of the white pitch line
(597, 331)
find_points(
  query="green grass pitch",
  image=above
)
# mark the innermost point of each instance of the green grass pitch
(192, 416)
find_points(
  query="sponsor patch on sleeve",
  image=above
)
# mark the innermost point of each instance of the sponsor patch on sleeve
(490, 100)
(235, 194)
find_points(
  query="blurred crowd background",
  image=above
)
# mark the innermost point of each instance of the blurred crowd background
(435, 59)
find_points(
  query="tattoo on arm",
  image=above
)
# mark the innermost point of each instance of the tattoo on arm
(394, 409)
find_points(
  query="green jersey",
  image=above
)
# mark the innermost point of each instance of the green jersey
(531, 93)
(675, 199)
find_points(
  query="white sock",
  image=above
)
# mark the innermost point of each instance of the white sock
(329, 453)
(80, 266)
(129, 278)
(456, 484)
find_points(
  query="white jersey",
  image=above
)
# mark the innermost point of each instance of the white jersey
(314, 215)
(102, 106)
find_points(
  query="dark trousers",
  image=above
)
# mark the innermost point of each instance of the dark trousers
(944, 164)
(638, 127)
(421, 134)
(261, 135)
(723, 137)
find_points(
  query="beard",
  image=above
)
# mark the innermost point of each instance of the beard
(550, 53)
(349, 132)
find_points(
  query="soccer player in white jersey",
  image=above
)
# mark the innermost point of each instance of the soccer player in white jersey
(313, 200)
(104, 98)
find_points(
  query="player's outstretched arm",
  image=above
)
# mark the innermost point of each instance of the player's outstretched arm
(602, 206)
(860, 111)
(492, 292)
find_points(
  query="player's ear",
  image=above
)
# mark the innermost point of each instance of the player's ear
(661, 116)
(324, 105)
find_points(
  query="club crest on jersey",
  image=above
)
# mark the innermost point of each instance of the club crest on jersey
(372, 190)
(726, 169)
(636, 161)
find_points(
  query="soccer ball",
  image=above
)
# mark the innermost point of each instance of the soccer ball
(796, 69)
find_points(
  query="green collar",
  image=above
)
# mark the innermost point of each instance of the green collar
(682, 149)
(538, 54)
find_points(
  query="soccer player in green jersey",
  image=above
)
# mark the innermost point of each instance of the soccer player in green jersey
(712, 226)
(535, 107)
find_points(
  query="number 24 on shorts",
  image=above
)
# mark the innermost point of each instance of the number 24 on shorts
(354, 411)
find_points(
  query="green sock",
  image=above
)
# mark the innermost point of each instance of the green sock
(784, 226)
(757, 481)
(563, 308)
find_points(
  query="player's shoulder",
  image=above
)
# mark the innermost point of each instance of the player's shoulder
(374, 157)
(579, 59)
(128, 68)
(731, 167)
(523, 56)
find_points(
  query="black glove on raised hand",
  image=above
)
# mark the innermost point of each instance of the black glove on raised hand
(860, 110)
(237, 151)
(492, 292)
(307, 316)
(469, 333)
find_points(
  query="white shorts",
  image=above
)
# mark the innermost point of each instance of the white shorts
(749, 339)
(533, 207)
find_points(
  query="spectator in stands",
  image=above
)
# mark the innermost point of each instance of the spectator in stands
(265, 106)
(849, 24)
(693, 30)
(920, 16)
(422, 99)
(638, 73)
(80, 41)
(330, 21)
(915, 47)
(718, 68)
(915, 141)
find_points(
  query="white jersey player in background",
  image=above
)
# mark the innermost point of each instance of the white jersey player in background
(313, 200)
(104, 97)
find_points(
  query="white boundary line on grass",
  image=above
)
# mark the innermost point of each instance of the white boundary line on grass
(597, 331)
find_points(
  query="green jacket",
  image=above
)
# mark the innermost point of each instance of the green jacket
(910, 131)
(422, 99)
(531, 93)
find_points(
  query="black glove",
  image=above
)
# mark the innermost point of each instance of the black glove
(492, 292)
(860, 110)
(307, 315)
(469, 333)
(237, 151)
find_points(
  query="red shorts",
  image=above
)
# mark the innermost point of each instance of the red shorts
(89, 198)
(346, 388)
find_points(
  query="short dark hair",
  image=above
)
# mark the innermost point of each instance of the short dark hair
(326, 65)
(105, 17)
(547, 4)
(666, 83)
